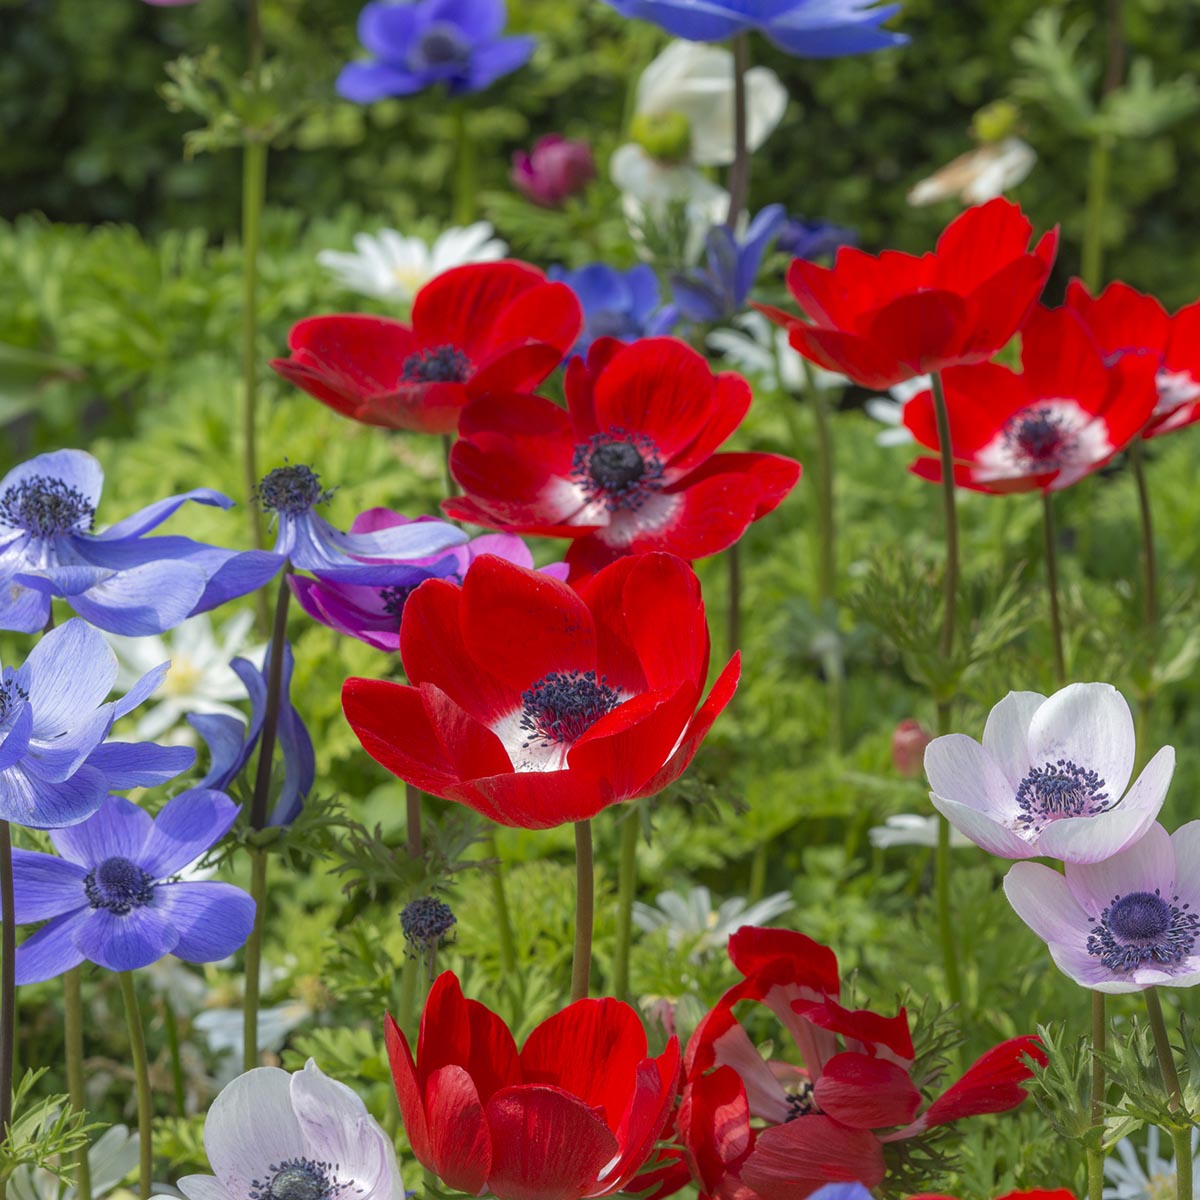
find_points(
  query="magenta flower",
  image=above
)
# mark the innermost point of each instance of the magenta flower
(372, 614)
(1123, 925)
(1050, 777)
(557, 169)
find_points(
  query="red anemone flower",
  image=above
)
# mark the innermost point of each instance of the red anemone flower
(751, 1129)
(483, 327)
(535, 704)
(1124, 321)
(631, 466)
(1063, 416)
(574, 1114)
(883, 319)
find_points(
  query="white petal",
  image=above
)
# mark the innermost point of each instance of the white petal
(1146, 866)
(958, 768)
(1006, 734)
(1042, 899)
(983, 830)
(1185, 841)
(1090, 725)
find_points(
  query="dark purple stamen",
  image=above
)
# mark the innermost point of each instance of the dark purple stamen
(442, 45)
(118, 885)
(619, 469)
(298, 1179)
(1056, 790)
(801, 1101)
(1143, 927)
(46, 507)
(561, 707)
(425, 922)
(291, 490)
(440, 364)
(1039, 439)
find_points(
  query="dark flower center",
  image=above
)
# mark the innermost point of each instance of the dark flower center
(426, 921)
(618, 469)
(561, 707)
(46, 507)
(438, 364)
(442, 45)
(395, 598)
(801, 1101)
(11, 693)
(1040, 439)
(118, 885)
(1057, 790)
(292, 490)
(1142, 927)
(297, 1179)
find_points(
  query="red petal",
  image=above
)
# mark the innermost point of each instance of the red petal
(1121, 318)
(417, 407)
(866, 1093)
(782, 955)
(460, 306)
(791, 1161)
(889, 1037)
(730, 406)
(1001, 306)
(772, 475)
(924, 330)
(1183, 349)
(548, 313)
(866, 362)
(547, 1145)
(538, 799)
(991, 1084)
(714, 1125)
(980, 242)
(362, 354)
(1060, 360)
(517, 369)
(1133, 394)
(408, 1092)
(319, 384)
(460, 1141)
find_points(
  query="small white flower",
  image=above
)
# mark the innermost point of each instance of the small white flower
(293, 1137)
(911, 829)
(1129, 1179)
(112, 1157)
(389, 266)
(889, 410)
(200, 679)
(692, 918)
(759, 347)
(979, 175)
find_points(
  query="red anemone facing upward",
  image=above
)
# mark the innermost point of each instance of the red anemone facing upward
(752, 1129)
(536, 704)
(483, 327)
(630, 466)
(881, 319)
(574, 1114)
(1063, 416)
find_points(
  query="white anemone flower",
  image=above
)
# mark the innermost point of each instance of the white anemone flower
(1129, 1178)
(390, 266)
(200, 679)
(274, 1136)
(692, 919)
(889, 410)
(978, 176)
(911, 829)
(111, 1157)
(760, 348)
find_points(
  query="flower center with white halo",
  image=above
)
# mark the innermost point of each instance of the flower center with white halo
(1041, 438)
(1056, 790)
(441, 45)
(1175, 388)
(619, 470)
(292, 490)
(438, 364)
(562, 706)
(118, 885)
(1143, 927)
(299, 1179)
(46, 507)
(1044, 437)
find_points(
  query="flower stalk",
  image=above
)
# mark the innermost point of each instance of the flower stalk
(1095, 1157)
(581, 962)
(254, 188)
(171, 1027)
(253, 961)
(504, 929)
(1181, 1137)
(8, 979)
(464, 169)
(73, 1041)
(626, 890)
(412, 806)
(141, 1067)
(1056, 628)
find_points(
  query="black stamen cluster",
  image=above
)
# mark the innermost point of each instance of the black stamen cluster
(618, 469)
(439, 364)
(1059, 789)
(1142, 927)
(46, 507)
(1039, 439)
(801, 1101)
(118, 885)
(426, 922)
(292, 490)
(561, 707)
(298, 1179)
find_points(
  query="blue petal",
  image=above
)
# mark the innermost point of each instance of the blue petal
(155, 514)
(118, 830)
(148, 599)
(761, 233)
(23, 609)
(45, 886)
(16, 741)
(52, 950)
(642, 283)
(328, 553)
(489, 63)
(696, 297)
(236, 574)
(26, 799)
(479, 21)
(186, 827)
(127, 941)
(694, 20)
(387, 30)
(75, 468)
(299, 764)
(212, 920)
(228, 750)
(59, 758)
(139, 764)
(141, 691)
(364, 83)
(71, 672)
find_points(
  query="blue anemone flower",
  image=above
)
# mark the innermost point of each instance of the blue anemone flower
(381, 558)
(417, 45)
(110, 898)
(812, 240)
(625, 305)
(231, 741)
(119, 579)
(808, 28)
(720, 289)
(55, 767)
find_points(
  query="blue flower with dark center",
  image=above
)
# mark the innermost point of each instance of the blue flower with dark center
(626, 305)
(721, 289)
(417, 45)
(1143, 927)
(118, 579)
(55, 766)
(109, 897)
(807, 28)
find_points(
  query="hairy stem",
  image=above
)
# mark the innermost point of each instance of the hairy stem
(254, 189)
(1181, 1139)
(8, 979)
(626, 891)
(73, 1039)
(171, 1026)
(1095, 1158)
(412, 805)
(141, 1067)
(581, 961)
(504, 929)
(253, 963)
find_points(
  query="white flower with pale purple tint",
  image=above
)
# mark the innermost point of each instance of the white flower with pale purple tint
(1123, 925)
(1050, 777)
(274, 1136)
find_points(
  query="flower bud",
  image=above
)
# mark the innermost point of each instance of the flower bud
(557, 169)
(908, 747)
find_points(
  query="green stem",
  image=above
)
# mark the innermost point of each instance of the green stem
(950, 606)
(73, 1036)
(266, 749)
(412, 805)
(254, 189)
(581, 961)
(8, 980)
(758, 873)
(254, 36)
(626, 891)
(171, 1025)
(464, 171)
(1095, 1158)
(1056, 629)
(452, 488)
(253, 963)
(739, 171)
(826, 526)
(1181, 1138)
(504, 929)
(141, 1067)
(1137, 459)
(406, 1009)
(1092, 254)
(733, 616)
(945, 917)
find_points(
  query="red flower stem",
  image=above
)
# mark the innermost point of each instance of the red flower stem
(8, 980)
(581, 962)
(141, 1068)
(626, 891)
(1056, 630)
(1181, 1137)
(739, 171)
(1095, 1158)
(504, 929)
(73, 1045)
(412, 806)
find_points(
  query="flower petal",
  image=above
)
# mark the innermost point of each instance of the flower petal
(1045, 903)
(958, 768)
(211, 919)
(118, 829)
(52, 950)
(185, 828)
(460, 1143)
(862, 1092)
(126, 941)
(71, 672)
(1006, 734)
(45, 886)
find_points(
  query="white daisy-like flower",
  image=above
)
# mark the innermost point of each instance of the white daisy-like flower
(889, 410)
(274, 1136)
(691, 918)
(759, 347)
(978, 176)
(390, 266)
(1128, 1177)
(911, 829)
(200, 679)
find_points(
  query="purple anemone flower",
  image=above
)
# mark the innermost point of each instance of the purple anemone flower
(416, 45)
(55, 766)
(1050, 777)
(381, 557)
(621, 304)
(1123, 925)
(119, 579)
(231, 741)
(372, 614)
(110, 900)
(807, 28)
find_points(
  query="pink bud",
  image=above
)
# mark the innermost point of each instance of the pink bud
(908, 747)
(556, 169)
